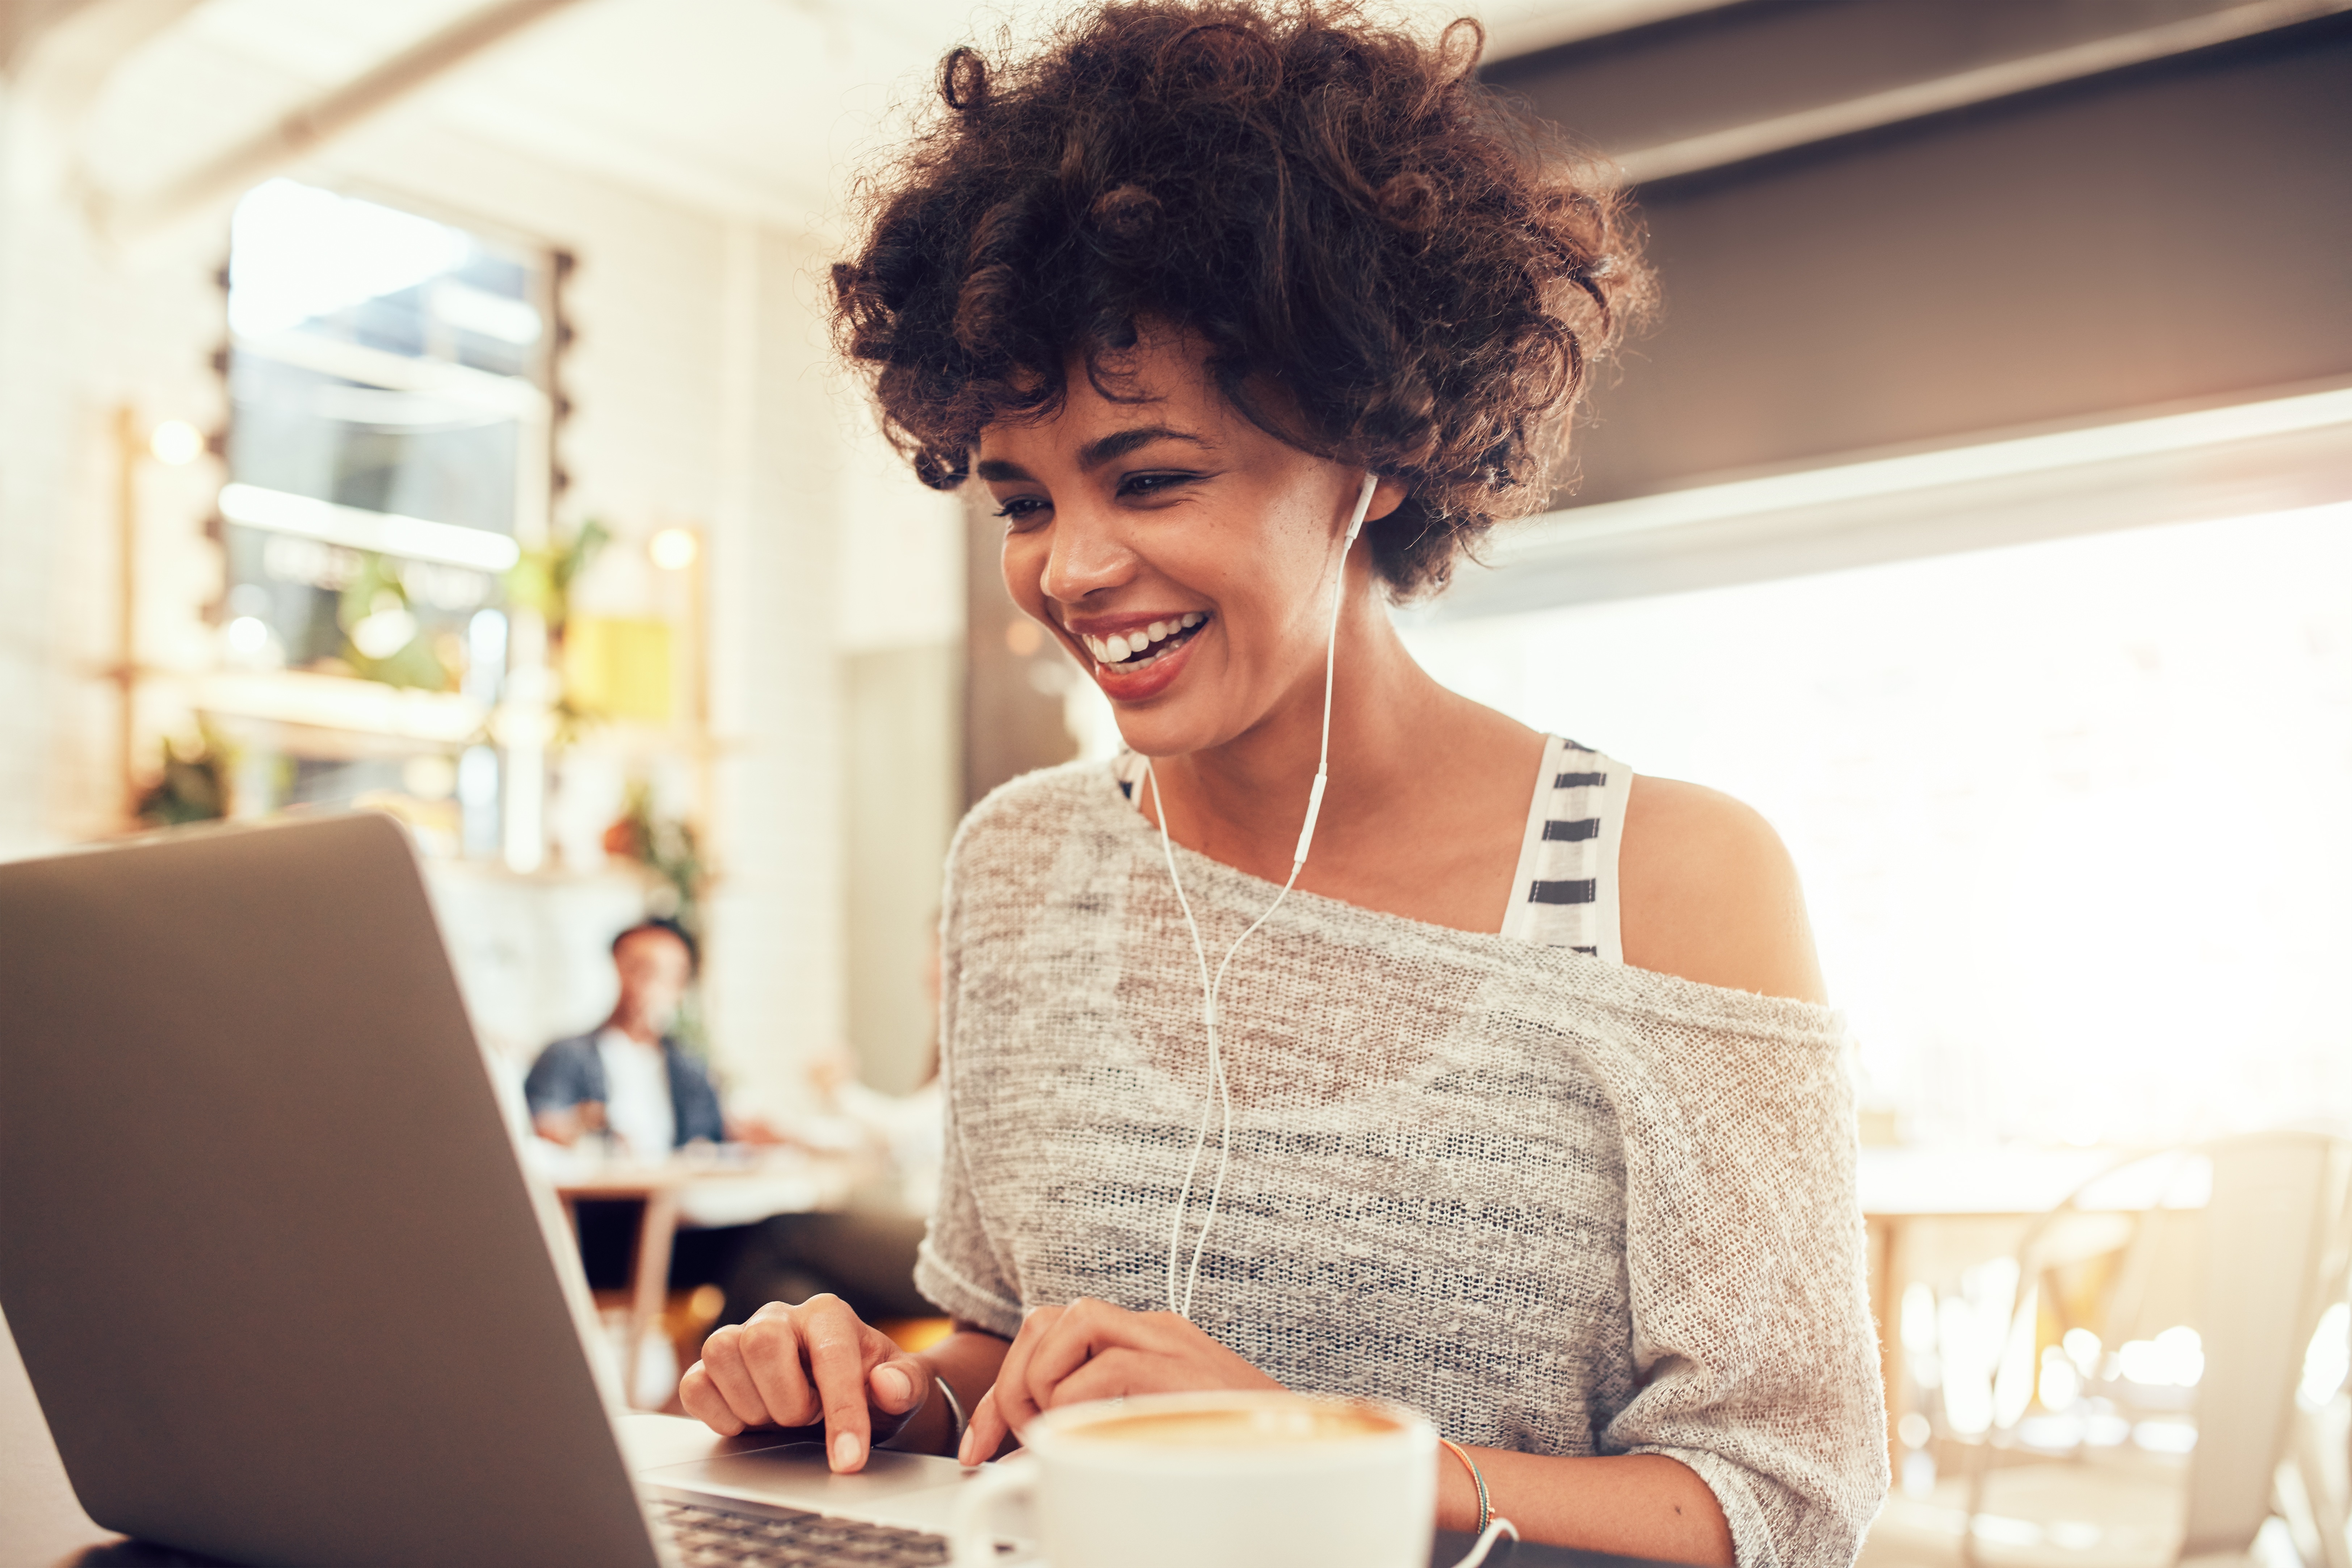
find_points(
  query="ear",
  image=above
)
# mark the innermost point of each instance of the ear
(1387, 496)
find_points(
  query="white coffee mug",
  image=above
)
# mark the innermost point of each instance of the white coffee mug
(1237, 1479)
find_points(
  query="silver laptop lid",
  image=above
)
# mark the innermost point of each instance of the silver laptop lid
(264, 1243)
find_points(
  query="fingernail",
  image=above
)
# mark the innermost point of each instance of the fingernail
(892, 1384)
(844, 1451)
(964, 1449)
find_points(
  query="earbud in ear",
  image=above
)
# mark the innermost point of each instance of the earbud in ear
(1363, 505)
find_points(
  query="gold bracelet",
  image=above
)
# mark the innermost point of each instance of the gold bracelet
(1463, 1454)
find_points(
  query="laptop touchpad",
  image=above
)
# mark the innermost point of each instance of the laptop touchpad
(909, 1489)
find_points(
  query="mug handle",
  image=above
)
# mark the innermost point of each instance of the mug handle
(972, 1543)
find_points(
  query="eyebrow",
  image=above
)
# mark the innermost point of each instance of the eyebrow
(1093, 454)
(1119, 444)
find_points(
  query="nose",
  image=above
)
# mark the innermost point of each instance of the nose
(1088, 554)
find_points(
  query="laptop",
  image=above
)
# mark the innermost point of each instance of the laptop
(268, 1248)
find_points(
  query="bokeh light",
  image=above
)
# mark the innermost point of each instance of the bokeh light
(176, 442)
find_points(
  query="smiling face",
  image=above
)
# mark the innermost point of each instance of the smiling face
(1183, 554)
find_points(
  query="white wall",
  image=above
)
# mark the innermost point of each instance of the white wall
(34, 445)
(899, 624)
(84, 332)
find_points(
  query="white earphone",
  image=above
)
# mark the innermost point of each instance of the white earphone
(1497, 1526)
(1216, 1093)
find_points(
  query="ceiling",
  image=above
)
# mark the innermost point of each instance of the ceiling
(754, 108)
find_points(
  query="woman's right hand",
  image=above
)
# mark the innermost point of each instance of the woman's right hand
(817, 1365)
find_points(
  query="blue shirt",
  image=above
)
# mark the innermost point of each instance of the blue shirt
(570, 1072)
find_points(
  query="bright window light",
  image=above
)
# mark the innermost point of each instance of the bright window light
(1919, 1318)
(2163, 1437)
(2174, 1359)
(2069, 813)
(2328, 1358)
(478, 311)
(2060, 1384)
(298, 252)
(441, 542)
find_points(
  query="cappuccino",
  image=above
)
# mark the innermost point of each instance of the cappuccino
(1265, 1426)
(1242, 1479)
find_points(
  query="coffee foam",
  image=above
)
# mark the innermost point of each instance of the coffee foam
(1284, 1427)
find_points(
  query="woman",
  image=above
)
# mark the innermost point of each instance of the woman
(1523, 1108)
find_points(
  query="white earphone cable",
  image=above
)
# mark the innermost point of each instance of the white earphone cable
(1485, 1542)
(1217, 1093)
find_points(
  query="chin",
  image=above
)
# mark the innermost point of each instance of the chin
(1163, 729)
(1184, 710)
(1151, 735)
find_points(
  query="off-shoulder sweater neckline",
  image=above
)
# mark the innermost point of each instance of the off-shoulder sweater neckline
(1093, 790)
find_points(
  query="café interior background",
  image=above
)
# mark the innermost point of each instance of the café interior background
(428, 406)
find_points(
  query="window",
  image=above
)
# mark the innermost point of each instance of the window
(389, 459)
(2070, 813)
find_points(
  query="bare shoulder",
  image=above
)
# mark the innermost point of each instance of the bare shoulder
(1706, 891)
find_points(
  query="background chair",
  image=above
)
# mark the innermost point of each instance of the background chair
(2152, 1402)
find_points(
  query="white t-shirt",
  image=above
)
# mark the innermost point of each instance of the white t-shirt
(636, 1096)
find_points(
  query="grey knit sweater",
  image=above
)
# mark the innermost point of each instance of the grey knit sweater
(1562, 1206)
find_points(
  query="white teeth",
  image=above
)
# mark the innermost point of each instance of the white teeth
(1120, 646)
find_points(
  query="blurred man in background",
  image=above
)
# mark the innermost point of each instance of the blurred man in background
(631, 1086)
(628, 1081)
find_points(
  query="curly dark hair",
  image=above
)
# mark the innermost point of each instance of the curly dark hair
(1387, 266)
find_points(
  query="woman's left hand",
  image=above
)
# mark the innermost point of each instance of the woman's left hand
(1092, 1350)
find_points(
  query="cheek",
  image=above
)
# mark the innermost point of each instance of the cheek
(1023, 565)
(1267, 606)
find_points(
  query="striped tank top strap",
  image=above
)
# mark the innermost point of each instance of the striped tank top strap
(1128, 768)
(1564, 893)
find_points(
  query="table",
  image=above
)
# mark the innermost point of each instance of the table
(700, 1192)
(42, 1526)
(1977, 1203)
(1903, 1182)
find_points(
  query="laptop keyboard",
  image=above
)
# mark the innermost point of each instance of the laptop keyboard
(711, 1537)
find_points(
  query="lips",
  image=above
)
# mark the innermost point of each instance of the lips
(1132, 664)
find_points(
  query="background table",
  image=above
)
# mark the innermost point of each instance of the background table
(1931, 1211)
(700, 1193)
